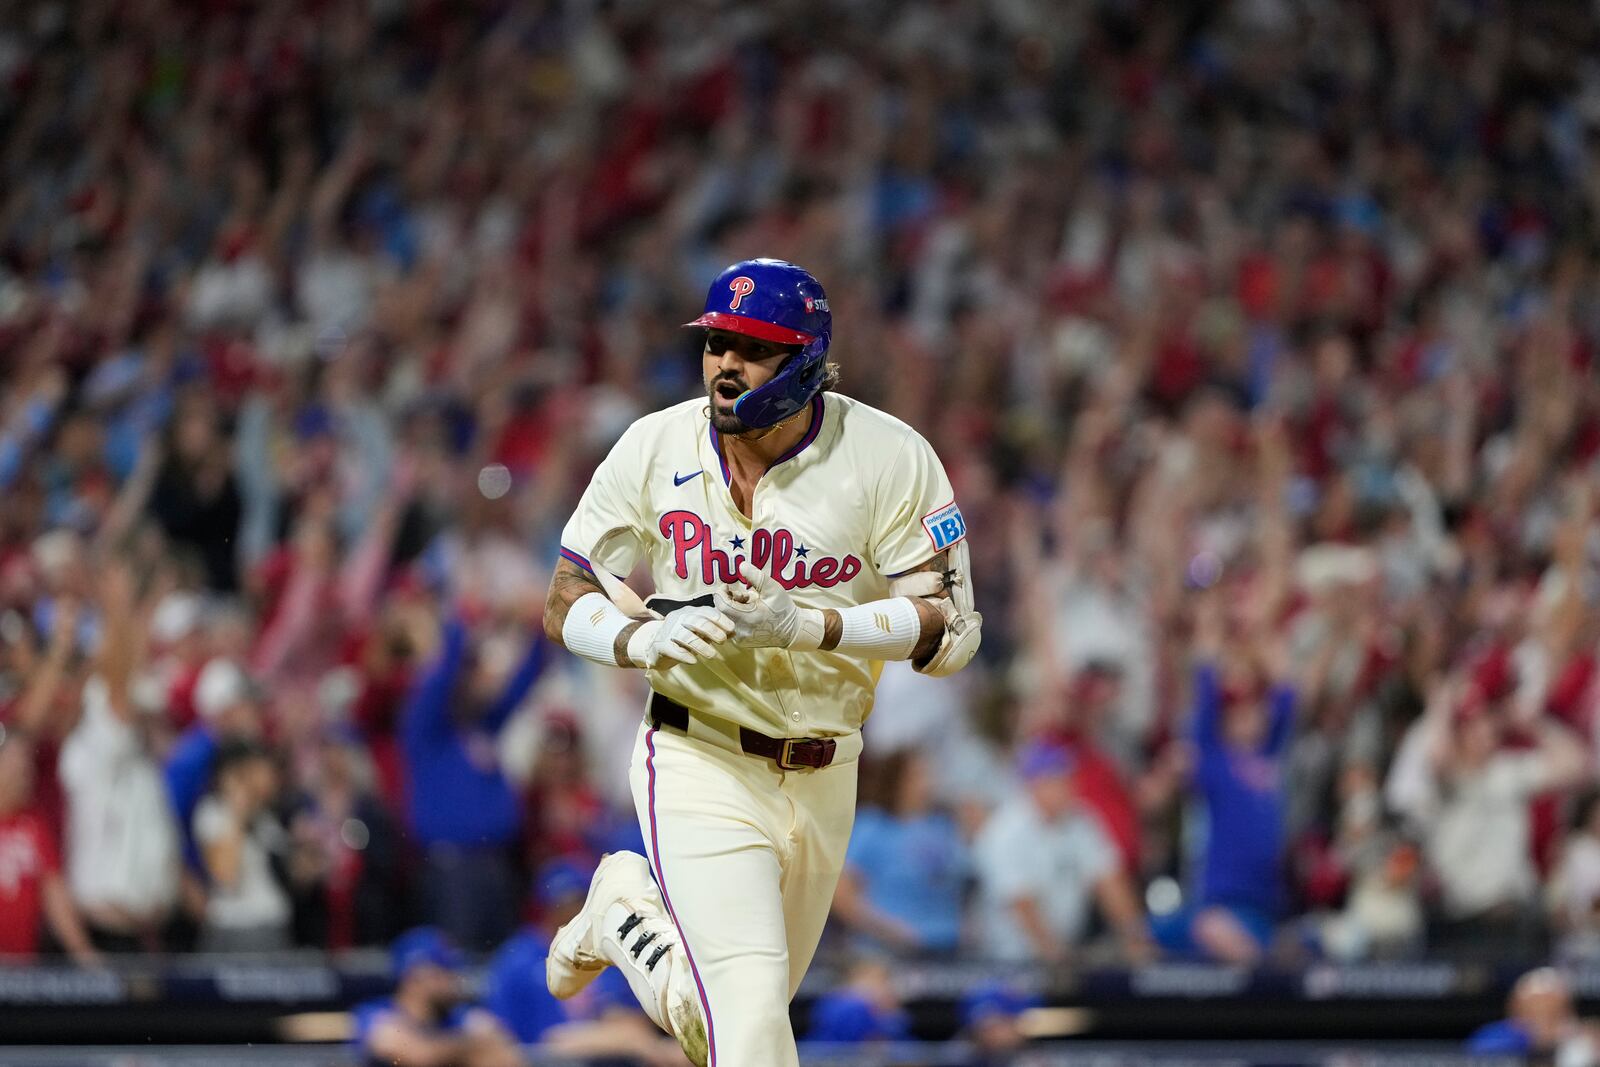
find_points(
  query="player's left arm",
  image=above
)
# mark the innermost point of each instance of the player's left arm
(930, 620)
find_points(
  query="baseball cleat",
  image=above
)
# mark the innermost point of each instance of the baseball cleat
(576, 957)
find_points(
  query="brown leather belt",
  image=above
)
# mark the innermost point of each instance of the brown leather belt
(789, 753)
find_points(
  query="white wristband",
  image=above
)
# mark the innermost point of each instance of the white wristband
(881, 630)
(591, 628)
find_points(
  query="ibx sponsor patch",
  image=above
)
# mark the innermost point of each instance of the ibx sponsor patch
(945, 527)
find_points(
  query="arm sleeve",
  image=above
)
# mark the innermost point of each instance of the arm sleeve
(510, 698)
(915, 513)
(1280, 708)
(1207, 707)
(427, 712)
(607, 528)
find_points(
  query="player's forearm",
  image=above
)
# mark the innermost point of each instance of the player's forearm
(569, 584)
(581, 617)
(929, 629)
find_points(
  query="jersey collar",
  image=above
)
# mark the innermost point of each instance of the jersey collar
(818, 408)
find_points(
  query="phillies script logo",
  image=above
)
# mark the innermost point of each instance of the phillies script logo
(770, 550)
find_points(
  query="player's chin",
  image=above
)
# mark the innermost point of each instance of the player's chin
(724, 420)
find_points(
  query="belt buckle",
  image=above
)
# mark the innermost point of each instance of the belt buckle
(786, 755)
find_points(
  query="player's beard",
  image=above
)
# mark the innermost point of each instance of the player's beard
(720, 408)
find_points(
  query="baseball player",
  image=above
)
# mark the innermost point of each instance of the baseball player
(797, 539)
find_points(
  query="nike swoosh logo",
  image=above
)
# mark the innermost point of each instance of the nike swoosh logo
(678, 479)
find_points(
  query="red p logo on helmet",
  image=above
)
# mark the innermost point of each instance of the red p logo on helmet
(742, 287)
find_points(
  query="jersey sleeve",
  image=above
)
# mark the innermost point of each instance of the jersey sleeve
(916, 514)
(607, 530)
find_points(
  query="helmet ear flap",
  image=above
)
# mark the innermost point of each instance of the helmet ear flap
(797, 381)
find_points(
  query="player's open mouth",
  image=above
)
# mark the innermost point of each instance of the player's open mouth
(728, 391)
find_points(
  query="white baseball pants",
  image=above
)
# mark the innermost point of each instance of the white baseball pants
(747, 857)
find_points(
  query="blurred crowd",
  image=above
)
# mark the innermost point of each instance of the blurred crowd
(1258, 338)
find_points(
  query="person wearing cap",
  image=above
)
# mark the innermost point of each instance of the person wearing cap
(226, 710)
(1043, 862)
(991, 1019)
(603, 1020)
(428, 1021)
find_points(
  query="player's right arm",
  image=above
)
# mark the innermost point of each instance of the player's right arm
(580, 617)
(606, 536)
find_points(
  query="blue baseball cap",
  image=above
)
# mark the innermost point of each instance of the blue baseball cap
(422, 946)
(1039, 759)
(559, 879)
(994, 999)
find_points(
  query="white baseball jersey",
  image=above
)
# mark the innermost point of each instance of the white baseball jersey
(860, 499)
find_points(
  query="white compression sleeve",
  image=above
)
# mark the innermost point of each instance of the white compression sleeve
(883, 629)
(591, 628)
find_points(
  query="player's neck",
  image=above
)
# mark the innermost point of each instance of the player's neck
(762, 448)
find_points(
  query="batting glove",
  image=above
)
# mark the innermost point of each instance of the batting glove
(764, 615)
(687, 635)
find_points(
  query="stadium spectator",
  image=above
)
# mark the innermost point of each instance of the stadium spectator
(991, 1018)
(462, 807)
(1470, 796)
(1076, 714)
(239, 838)
(907, 868)
(1541, 1024)
(227, 710)
(1239, 776)
(1043, 865)
(195, 498)
(429, 1021)
(32, 892)
(345, 849)
(1383, 917)
(565, 817)
(601, 1022)
(864, 1008)
(123, 858)
(1575, 887)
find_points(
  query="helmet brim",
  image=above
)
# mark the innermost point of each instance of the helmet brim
(762, 331)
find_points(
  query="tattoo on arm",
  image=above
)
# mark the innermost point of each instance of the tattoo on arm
(930, 617)
(568, 584)
(619, 648)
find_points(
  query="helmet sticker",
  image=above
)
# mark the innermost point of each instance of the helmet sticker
(742, 287)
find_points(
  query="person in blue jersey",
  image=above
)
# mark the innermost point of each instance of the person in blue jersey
(428, 1022)
(1242, 723)
(865, 1009)
(463, 810)
(1541, 1024)
(907, 865)
(603, 1020)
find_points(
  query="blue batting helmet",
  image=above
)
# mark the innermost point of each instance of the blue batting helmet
(781, 303)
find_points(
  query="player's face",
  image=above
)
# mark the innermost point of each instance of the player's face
(734, 364)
